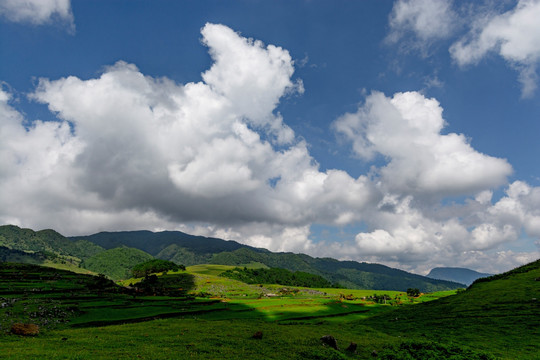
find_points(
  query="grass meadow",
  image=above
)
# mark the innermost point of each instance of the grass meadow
(217, 318)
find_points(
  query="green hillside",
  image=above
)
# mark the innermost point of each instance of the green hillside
(45, 241)
(499, 314)
(16, 238)
(116, 263)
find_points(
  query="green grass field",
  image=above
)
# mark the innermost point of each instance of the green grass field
(217, 318)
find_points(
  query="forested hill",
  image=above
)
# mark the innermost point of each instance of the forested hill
(94, 251)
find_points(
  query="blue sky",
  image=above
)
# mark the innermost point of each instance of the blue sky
(400, 132)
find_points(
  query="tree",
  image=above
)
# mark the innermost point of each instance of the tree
(414, 292)
(155, 266)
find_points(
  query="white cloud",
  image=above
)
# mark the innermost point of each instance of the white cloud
(406, 130)
(183, 153)
(423, 166)
(426, 20)
(263, 235)
(36, 12)
(405, 236)
(251, 76)
(514, 35)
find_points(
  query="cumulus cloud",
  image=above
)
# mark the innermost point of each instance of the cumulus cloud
(413, 237)
(36, 12)
(406, 130)
(130, 151)
(426, 20)
(422, 167)
(514, 35)
(206, 152)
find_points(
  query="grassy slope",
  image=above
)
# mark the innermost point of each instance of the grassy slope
(67, 266)
(196, 339)
(207, 269)
(499, 315)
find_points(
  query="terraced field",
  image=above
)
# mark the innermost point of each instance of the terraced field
(52, 297)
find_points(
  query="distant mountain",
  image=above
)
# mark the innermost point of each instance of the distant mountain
(186, 249)
(461, 275)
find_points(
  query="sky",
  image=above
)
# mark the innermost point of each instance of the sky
(397, 132)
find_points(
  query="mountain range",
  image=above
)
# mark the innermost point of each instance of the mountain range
(115, 253)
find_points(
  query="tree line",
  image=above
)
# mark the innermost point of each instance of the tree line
(277, 276)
